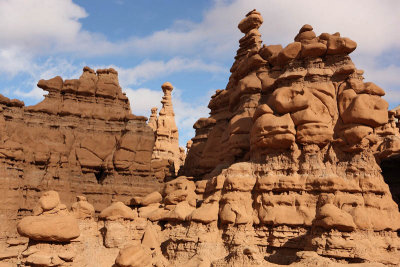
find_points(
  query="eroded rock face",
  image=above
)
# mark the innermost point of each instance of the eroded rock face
(81, 139)
(285, 171)
(290, 154)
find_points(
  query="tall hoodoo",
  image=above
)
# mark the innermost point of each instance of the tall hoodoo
(167, 136)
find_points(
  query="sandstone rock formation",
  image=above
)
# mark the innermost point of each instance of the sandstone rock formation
(291, 152)
(285, 171)
(167, 152)
(52, 222)
(82, 139)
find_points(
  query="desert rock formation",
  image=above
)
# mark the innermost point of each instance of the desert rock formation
(285, 171)
(82, 139)
(166, 148)
(290, 153)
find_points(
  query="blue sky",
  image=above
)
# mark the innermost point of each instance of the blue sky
(188, 43)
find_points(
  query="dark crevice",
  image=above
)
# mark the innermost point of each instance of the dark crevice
(100, 176)
(391, 174)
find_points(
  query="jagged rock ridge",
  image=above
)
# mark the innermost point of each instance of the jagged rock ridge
(284, 171)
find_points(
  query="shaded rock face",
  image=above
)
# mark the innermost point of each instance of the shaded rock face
(81, 139)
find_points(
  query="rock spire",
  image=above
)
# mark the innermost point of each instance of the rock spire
(167, 136)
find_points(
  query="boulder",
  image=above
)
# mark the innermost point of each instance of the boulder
(50, 228)
(118, 210)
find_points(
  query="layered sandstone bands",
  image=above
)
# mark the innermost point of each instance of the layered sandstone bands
(81, 139)
(289, 157)
(286, 170)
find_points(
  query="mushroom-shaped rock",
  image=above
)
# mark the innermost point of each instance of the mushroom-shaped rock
(82, 209)
(306, 35)
(167, 87)
(118, 210)
(57, 228)
(133, 256)
(253, 20)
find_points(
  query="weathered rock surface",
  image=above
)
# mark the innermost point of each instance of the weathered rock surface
(290, 157)
(51, 223)
(82, 139)
(166, 154)
(133, 256)
(285, 171)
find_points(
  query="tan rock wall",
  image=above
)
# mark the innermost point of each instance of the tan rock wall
(81, 139)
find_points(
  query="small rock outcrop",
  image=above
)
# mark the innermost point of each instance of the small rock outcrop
(133, 256)
(51, 222)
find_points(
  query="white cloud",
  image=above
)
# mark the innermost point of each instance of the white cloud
(37, 24)
(373, 24)
(150, 69)
(143, 99)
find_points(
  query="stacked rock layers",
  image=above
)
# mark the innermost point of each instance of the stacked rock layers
(81, 139)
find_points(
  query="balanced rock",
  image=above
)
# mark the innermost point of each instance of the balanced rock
(49, 228)
(52, 224)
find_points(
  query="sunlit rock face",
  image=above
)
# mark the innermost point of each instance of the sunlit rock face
(285, 171)
(290, 153)
(82, 139)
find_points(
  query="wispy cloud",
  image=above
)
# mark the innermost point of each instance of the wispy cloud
(150, 69)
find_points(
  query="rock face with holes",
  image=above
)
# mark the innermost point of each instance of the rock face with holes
(285, 171)
(289, 158)
(81, 139)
